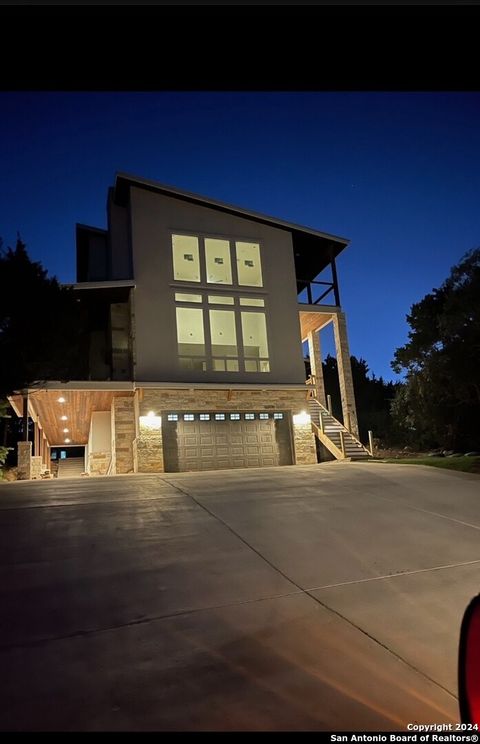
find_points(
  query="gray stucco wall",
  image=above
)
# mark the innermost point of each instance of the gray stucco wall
(153, 219)
(118, 229)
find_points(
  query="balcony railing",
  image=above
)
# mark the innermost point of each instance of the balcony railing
(310, 287)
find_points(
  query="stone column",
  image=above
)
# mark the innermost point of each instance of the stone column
(315, 353)
(24, 460)
(149, 446)
(123, 433)
(303, 438)
(345, 373)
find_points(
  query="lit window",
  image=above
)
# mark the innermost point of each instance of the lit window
(191, 338)
(204, 417)
(189, 417)
(217, 258)
(186, 261)
(172, 417)
(249, 268)
(278, 415)
(220, 300)
(181, 297)
(223, 336)
(263, 416)
(249, 416)
(234, 417)
(252, 301)
(255, 345)
(219, 417)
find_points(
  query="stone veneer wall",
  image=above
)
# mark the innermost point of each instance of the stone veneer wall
(36, 467)
(304, 444)
(24, 460)
(149, 450)
(123, 433)
(98, 463)
(148, 444)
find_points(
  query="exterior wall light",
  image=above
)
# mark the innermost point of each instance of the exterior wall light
(61, 400)
(151, 421)
(302, 419)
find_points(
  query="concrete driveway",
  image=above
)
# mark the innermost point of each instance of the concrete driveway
(323, 597)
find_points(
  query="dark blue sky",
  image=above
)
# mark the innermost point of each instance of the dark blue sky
(397, 173)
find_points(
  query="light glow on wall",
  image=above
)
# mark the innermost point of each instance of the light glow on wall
(151, 421)
(302, 419)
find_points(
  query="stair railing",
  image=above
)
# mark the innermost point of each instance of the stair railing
(355, 439)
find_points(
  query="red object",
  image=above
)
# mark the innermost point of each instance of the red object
(469, 664)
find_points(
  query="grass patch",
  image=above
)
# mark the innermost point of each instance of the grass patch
(464, 464)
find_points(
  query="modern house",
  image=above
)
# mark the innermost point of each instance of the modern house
(197, 313)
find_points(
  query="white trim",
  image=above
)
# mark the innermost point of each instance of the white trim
(102, 285)
(220, 386)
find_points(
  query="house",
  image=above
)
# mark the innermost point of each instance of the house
(197, 313)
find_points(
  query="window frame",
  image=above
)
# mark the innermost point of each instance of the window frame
(235, 290)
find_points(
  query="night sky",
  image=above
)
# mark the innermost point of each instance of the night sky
(396, 173)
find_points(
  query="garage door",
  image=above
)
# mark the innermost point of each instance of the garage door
(219, 441)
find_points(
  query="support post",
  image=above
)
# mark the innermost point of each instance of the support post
(345, 377)
(329, 404)
(370, 441)
(315, 353)
(335, 281)
(342, 443)
(25, 416)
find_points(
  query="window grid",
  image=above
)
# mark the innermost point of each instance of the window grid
(172, 417)
(189, 417)
(241, 362)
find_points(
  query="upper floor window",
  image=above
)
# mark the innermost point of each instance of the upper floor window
(186, 258)
(217, 260)
(208, 259)
(249, 268)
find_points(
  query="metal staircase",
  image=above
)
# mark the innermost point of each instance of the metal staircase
(333, 435)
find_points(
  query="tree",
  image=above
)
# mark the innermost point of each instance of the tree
(439, 404)
(40, 325)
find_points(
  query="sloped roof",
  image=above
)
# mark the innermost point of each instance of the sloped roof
(313, 249)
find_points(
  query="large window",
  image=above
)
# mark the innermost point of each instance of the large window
(223, 337)
(218, 263)
(191, 339)
(249, 268)
(255, 345)
(186, 259)
(219, 331)
(209, 259)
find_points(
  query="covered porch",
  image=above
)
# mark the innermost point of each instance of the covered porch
(313, 317)
(70, 415)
